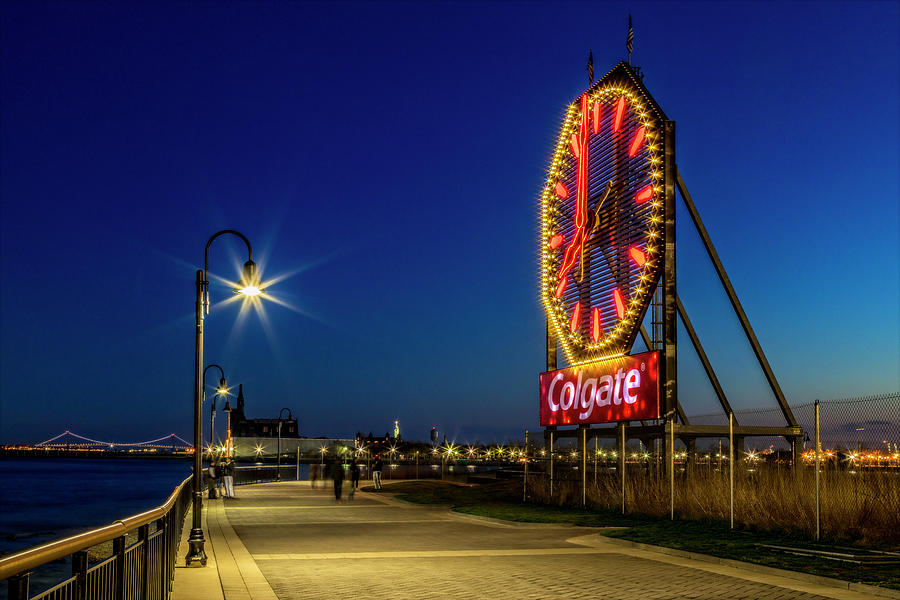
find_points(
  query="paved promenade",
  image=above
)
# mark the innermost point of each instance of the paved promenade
(286, 541)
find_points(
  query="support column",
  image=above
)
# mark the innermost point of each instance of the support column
(548, 446)
(796, 454)
(690, 457)
(620, 444)
(669, 363)
(582, 450)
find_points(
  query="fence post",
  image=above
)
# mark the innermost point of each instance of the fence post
(79, 571)
(525, 477)
(596, 440)
(818, 459)
(298, 462)
(144, 538)
(584, 467)
(119, 552)
(731, 465)
(670, 455)
(551, 465)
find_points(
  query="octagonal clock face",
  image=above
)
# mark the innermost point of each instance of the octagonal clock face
(603, 218)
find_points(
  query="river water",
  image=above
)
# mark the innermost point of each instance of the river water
(47, 498)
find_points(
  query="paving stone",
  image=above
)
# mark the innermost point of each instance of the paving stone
(289, 541)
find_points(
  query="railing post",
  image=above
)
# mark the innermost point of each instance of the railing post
(18, 586)
(162, 560)
(119, 552)
(79, 571)
(144, 539)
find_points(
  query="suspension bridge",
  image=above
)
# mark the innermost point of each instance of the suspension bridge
(71, 440)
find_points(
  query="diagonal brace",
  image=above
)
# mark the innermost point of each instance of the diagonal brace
(735, 303)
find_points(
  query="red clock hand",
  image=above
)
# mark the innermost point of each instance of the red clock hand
(580, 147)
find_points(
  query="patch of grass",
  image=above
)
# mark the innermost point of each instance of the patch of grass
(503, 501)
(716, 539)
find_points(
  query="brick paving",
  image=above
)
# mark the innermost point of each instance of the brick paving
(288, 541)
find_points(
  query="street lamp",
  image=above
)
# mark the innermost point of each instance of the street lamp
(278, 468)
(249, 286)
(221, 390)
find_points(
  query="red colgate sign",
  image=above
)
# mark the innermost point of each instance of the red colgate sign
(619, 389)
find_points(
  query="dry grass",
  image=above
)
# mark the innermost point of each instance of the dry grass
(859, 508)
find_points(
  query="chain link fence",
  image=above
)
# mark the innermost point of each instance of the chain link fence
(850, 491)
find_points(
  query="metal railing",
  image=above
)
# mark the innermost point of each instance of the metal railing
(143, 569)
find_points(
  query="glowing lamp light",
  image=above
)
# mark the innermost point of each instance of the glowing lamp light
(223, 387)
(249, 283)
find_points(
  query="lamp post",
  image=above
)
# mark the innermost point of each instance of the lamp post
(278, 467)
(249, 286)
(223, 390)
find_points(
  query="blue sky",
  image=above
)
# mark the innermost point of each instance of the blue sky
(389, 157)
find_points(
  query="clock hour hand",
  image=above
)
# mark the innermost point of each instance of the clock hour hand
(610, 186)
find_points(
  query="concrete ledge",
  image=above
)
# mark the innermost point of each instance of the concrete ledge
(762, 569)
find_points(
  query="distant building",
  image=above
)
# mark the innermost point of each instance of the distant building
(241, 426)
(257, 439)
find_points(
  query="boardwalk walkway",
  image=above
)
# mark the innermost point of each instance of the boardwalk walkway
(286, 541)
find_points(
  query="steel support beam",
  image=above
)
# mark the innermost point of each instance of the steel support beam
(710, 374)
(735, 303)
(670, 326)
(551, 347)
(681, 431)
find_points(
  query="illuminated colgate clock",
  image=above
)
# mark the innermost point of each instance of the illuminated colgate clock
(602, 218)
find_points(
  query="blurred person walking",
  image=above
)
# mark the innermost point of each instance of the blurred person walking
(337, 473)
(377, 466)
(354, 477)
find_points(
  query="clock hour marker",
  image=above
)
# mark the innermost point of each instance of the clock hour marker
(561, 287)
(576, 147)
(620, 303)
(638, 256)
(561, 190)
(576, 317)
(644, 195)
(620, 112)
(598, 108)
(637, 143)
(557, 240)
(596, 327)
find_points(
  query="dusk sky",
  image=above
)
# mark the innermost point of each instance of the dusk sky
(386, 160)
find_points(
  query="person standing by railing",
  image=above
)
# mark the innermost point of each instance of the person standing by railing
(220, 477)
(229, 478)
